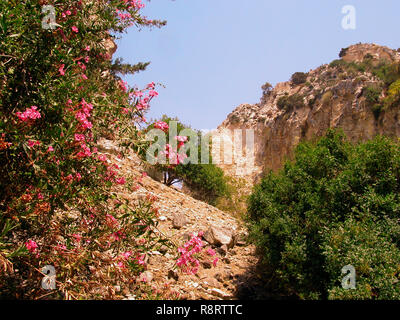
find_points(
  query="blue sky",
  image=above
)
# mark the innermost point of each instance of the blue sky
(214, 55)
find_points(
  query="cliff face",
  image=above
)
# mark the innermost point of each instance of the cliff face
(331, 96)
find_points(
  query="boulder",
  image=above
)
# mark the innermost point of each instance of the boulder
(179, 221)
(219, 236)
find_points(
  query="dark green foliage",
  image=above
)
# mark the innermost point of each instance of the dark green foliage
(337, 63)
(299, 78)
(336, 204)
(207, 181)
(372, 96)
(343, 52)
(118, 67)
(388, 73)
(289, 103)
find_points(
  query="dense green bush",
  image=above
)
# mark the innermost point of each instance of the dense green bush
(373, 97)
(207, 181)
(335, 204)
(299, 78)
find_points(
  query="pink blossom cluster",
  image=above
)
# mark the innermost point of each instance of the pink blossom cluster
(66, 13)
(123, 85)
(29, 114)
(181, 140)
(83, 114)
(173, 156)
(140, 99)
(32, 246)
(134, 4)
(124, 16)
(187, 261)
(32, 143)
(84, 152)
(161, 125)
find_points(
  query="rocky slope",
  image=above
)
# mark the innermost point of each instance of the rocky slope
(233, 277)
(329, 97)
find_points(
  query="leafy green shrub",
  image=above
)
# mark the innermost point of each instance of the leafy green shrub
(289, 103)
(337, 63)
(393, 97)
(299, 78)
(206, 181)
(387, 72)
(372, 96)
(336, 204)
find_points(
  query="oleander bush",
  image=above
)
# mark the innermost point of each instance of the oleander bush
(335, 204)
(59, 92)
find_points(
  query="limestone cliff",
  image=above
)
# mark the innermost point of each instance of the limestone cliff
(331, 96)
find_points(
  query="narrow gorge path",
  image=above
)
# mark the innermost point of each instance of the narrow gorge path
(235, 274)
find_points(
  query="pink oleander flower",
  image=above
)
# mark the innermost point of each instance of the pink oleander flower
(75, 29)
(187, 261)
(32, 143)
(153, 93)
(29, 114)
(87, 48)
(123, 85)
(31, 246)
(81, 65)
(120, 180)
(50, 149)
(181, 138)
(215, 262)
(61, 69)
(78, 177)
(84, 77)
(140, 260)
(79, 137)
(211, 252)
(161, 125)
(151, 86)
(77, 237)
(85, 151)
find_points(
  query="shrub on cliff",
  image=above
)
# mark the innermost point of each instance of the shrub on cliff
(299, 78)
(335, 204)
(289, 103)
